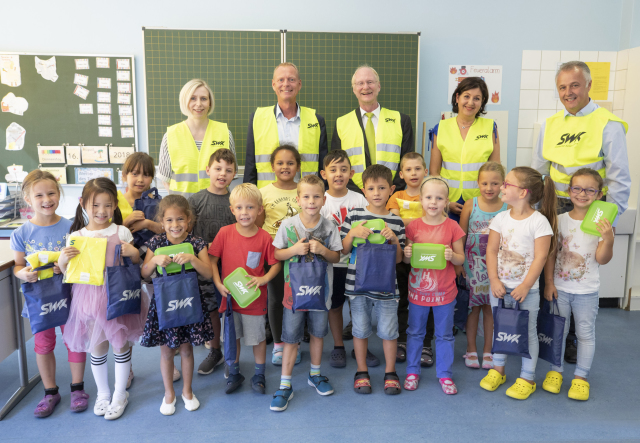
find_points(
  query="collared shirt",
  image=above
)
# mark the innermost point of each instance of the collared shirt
(288, 128)
(374, 118)
(614, 152)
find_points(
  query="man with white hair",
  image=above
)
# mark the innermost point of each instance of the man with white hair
(372, 134)
(584, 135)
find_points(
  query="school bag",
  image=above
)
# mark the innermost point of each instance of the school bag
(510, 330)
(308, 282)
(149, 206)
(47, 301)
(550, 333)
(177, 299)
(123, 286)
(376, 268)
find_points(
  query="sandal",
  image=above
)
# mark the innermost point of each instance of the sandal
(47, 405)
(79, 401)
(426, 358)
(471, 360)
(448, 386)
(258, 383)
(276, 357)
(411, 382)
(362, 383)
(401, 353)
(391, 384)
(338, 358)
(487, 360)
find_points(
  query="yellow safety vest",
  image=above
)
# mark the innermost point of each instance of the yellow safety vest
(190, 165)
(388, 141)
(571, 143)
(265, 136)
(461, 159)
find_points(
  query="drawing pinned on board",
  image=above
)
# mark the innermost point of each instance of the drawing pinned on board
(102, 62)
(82, 63)
(81, 92)
(47, 68)
(95, 154)
(82, 80)
(104, 108)
(15, 137)
(10, 70)
(51, 154)
(105, 131)
(86, 108)
(60, 173)
(123, 63)
(16, 174)
(13, 104)
(124, 88)
(104, 97)
(123, 76)
(124, 99)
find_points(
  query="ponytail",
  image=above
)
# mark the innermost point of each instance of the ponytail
(548, 208)
(79, 221)
(117, 217)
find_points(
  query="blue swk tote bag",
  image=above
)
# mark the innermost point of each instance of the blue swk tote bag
(177, 299)
(550, 333)
(47, 301)
(510, 330)
(124, 285)
(376, 268)
(308, 284)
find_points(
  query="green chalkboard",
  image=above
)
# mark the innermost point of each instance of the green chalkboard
(237, 65)
(327, 61)
(53, 117)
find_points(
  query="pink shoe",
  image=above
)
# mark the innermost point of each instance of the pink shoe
(79, 401)
(411, 382)
(487, 360)
(471, 360)
(448, 386)
(47, 405)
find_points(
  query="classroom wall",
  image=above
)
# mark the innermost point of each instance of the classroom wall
(462, 32)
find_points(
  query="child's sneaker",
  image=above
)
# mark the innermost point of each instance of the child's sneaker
(521, 389)
(233, 382)
(281, 399)
(492, 380)
(276, 357)
(258, 383)
(411, 382)
(553, 382)
(579, 390)
(211, 361)
(448, 386)
(321, 383)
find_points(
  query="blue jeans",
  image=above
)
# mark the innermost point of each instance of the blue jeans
(386, 311)
(532, 304)
(293, 324)
(585, 309)
(443, 319)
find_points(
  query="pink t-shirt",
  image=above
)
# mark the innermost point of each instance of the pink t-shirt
(433, 287)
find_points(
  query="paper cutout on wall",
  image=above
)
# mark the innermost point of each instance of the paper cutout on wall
(47, 68)
(15, 137)
(10, 70)
(13, 104)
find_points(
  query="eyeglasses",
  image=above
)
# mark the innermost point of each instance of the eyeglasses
(507, 184)
(368, 83)
(577, 190)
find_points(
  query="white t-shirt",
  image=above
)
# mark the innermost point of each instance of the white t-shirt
(336, 208)
(123, 233)
(576, 270)
(517, 240)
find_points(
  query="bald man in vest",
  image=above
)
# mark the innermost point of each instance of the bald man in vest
(286, 123)
(583, 135)
(371, 134)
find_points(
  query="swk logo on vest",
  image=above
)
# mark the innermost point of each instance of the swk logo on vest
(509, 338)
(51, 307)
(130, 295)
(482, 137)
(309, 290)
(312, 125)
(570, 138)
(387, 120)
(177, 304)
(217, 143)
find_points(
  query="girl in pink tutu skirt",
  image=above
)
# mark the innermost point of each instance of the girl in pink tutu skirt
(87, 329)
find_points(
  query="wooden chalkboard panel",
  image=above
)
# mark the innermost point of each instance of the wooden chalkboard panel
(53, 117)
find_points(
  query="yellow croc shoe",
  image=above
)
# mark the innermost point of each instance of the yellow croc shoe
(579, 390)
(492, 380)
(521, 389)
(553, 382)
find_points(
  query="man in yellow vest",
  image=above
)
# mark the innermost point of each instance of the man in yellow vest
(372, 134)
(285, 123)
(582, 135)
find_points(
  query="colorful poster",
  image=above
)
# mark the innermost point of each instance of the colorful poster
(95, 154)
(491, 74)
(51, 154)
(60, 173)
(83, 175)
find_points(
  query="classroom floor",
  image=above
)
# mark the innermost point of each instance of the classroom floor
(611, 414)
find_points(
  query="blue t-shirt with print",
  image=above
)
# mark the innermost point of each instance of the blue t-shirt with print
(30, 238)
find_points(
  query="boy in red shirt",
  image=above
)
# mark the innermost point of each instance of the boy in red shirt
(245, 245)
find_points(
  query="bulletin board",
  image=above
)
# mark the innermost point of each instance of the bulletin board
(66, 86)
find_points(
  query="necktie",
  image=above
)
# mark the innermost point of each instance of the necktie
(371, 137)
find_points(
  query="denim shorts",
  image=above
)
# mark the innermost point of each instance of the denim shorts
(293, 324)
(386, 311)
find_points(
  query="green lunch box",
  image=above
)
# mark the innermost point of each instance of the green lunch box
(427, 256)
(376, 224)
(172, 251)
(236, 283)
(597, 211)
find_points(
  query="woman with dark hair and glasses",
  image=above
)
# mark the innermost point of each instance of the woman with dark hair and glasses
(464, 143)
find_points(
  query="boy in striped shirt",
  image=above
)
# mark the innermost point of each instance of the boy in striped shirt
(378, 187)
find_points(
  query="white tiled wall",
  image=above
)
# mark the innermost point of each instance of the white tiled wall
(537, 89)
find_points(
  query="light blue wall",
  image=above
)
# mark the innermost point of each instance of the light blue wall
(453, 32)
(634, 20)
